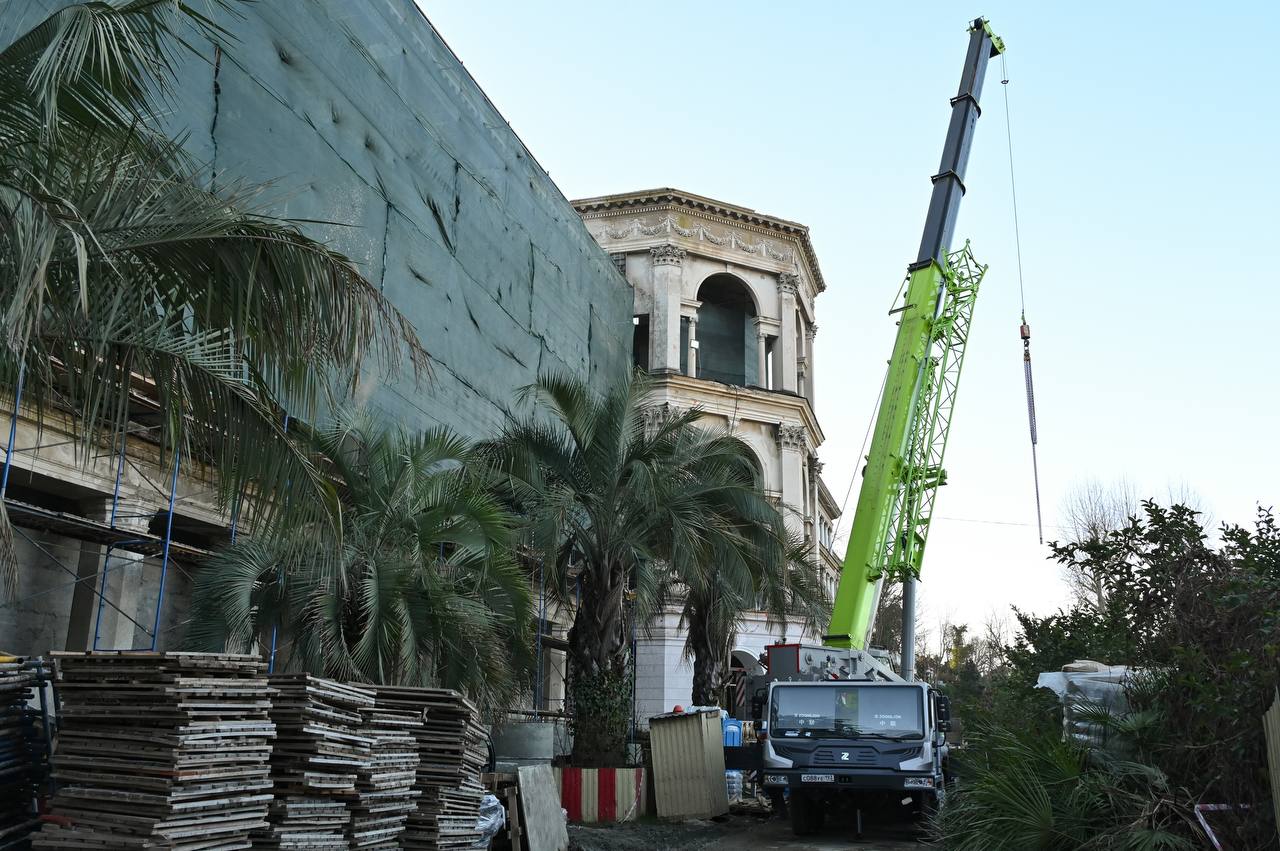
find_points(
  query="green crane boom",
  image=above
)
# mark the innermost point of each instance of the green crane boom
(904, 466)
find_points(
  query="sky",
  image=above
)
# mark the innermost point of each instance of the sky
(1144, 143)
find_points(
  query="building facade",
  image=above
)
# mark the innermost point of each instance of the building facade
(724, 320)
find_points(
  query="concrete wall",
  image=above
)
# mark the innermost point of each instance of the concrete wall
(361, 117)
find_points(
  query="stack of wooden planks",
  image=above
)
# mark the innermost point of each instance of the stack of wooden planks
(451, 754)
(319, 753)
(160, 750)
(21, 751)
(386, 788)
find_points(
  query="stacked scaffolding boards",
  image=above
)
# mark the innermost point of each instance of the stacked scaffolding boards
(385, 789)
(22, 751)
(160, 750)
(451, 756)
(320, 753)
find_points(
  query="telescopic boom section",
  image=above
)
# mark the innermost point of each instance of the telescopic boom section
(904, 466)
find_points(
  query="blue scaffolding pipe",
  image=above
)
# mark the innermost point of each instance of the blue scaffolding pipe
(542, 619)
(275, 627)
(115, 494)
(13, 429)
(168, 538)
(102, 590)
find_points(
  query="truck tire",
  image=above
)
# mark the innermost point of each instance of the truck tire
(807, 814)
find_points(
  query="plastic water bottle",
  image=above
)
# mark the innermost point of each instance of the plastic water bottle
(733, 785)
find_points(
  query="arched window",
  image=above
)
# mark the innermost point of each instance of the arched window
(726, 331)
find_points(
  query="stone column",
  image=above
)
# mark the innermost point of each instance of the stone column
(693, 344)
(815, 474)
(792, 444)
(809, 334)
(130, 589)
(785, 355)
(664, 322)
(762, 358)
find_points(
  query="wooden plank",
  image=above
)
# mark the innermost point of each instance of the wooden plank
(543, 821)
(1271, 728)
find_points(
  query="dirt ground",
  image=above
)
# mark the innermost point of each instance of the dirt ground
(736, 833)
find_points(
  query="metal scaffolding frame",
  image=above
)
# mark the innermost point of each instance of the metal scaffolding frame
(116, 538)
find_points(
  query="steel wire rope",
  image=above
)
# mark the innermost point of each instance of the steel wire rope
(1024, 328)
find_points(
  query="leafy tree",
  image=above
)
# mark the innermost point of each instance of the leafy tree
(420, 586)
(130, 288)
(767, 570)
(1200, 619)
(618, 510)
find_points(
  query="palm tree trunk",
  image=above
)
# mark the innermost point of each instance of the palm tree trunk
(709, 658)
(599, 682)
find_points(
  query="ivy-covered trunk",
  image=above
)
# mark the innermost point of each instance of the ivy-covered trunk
(710, 659)
(599, 685)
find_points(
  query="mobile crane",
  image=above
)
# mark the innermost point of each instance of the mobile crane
(838, 720)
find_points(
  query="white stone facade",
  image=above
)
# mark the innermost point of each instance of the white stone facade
(725, 321)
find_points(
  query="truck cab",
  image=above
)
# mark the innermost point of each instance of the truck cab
(841, 728)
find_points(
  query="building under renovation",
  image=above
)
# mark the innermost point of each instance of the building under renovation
(369, 129)
(724, 320)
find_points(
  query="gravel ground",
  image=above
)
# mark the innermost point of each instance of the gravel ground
(747, 833)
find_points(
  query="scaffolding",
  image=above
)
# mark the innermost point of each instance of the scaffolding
(126, 545)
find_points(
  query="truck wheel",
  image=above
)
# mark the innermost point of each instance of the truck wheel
(807, 814)
(798, 807)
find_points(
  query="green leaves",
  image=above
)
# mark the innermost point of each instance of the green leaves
(420, 587)
(130, 291)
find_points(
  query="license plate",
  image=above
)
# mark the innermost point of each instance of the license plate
(817, 778)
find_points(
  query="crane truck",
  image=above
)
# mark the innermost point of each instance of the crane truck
(838, 722)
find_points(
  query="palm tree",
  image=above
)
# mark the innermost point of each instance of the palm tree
(128, 286)
(776, 574)
(618, 512)
(419, 588)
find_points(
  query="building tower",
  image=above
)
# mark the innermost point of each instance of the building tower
(724, 320)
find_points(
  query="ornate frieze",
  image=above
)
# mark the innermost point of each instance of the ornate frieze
(668, 226)
(667, 255)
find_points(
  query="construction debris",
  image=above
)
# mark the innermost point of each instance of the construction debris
(22, 750)
(451, 756)
(319, 754)
(160, 750)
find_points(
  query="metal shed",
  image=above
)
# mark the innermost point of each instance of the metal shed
(688, 765)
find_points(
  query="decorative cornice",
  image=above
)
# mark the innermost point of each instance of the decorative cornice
(791, 437)
(788, 283)
(667, 255)
(658, 200)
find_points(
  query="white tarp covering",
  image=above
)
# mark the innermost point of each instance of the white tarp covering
(1089, 684)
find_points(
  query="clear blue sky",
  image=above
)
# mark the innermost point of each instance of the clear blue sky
(1145, 137)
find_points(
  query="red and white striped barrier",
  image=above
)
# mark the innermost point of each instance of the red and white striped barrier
(593, 795)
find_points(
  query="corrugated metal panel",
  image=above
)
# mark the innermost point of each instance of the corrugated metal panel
(1271, 726)
(688, 765)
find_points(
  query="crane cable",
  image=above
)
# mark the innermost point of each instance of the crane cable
(1024, 328)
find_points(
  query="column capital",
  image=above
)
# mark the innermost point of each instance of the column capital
(811, 332)
(792, 437)
(788, 284)
(667, 255)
